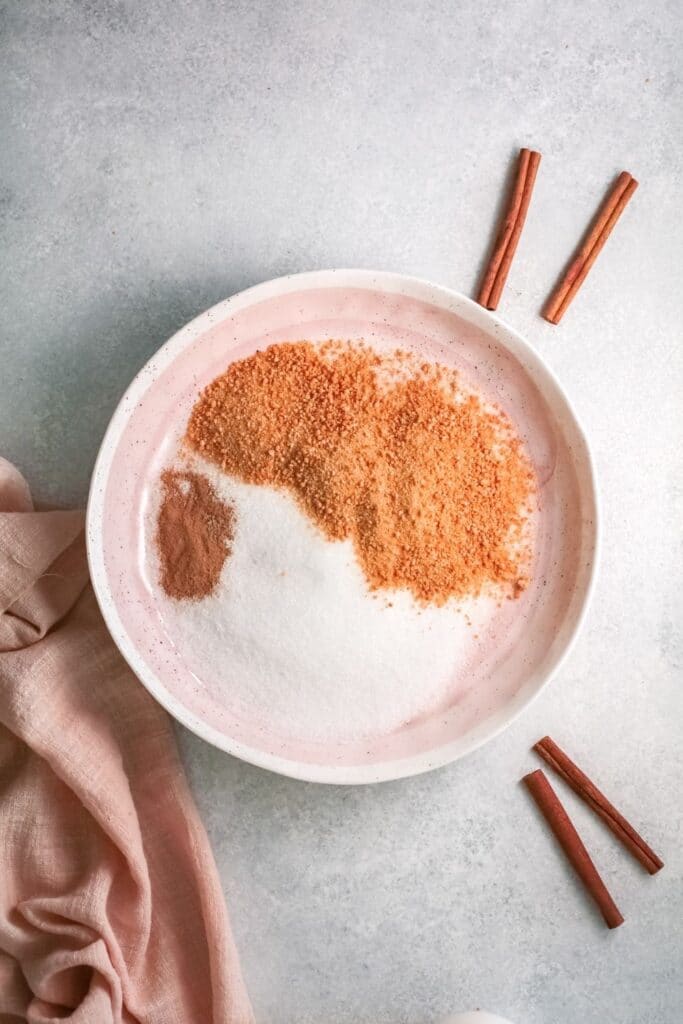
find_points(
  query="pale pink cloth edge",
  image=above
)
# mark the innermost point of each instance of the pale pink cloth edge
(92, 778)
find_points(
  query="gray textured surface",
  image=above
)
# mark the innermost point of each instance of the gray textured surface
(158, 156)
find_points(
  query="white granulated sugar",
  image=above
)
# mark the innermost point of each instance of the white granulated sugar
(293, 639)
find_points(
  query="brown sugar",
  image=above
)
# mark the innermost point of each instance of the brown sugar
(432, 487)
(194, 532)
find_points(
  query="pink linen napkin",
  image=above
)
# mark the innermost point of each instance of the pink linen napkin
(110, 905)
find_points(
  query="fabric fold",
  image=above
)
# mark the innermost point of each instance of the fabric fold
(110, 905)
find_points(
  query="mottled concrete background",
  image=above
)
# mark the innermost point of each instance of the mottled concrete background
(156, 157)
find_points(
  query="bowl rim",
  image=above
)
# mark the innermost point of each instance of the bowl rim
(390, 282)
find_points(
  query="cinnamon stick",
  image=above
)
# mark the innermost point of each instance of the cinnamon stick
(570, 841)
(507, 239)
(556, 758)
(607, 216)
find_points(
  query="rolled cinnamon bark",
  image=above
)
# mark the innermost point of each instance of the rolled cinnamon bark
(570, 841)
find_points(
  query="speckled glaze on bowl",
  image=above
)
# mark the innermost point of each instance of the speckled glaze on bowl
(537, 631)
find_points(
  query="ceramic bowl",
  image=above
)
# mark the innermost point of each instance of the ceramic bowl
(510, 670)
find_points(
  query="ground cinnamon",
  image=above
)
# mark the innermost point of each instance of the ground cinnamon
(194, 532)
(432, 487)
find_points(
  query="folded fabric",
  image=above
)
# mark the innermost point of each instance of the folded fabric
(110, 904)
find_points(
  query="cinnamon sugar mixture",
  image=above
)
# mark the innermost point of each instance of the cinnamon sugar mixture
(432, 487)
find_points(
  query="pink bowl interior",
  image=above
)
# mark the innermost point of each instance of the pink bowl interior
(531, 635)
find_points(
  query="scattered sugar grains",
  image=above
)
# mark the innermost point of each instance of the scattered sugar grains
(431, 486)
